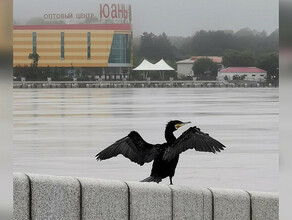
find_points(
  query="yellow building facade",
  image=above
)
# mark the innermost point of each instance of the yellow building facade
(74, 45)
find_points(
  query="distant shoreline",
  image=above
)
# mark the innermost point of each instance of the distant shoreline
(140, 84)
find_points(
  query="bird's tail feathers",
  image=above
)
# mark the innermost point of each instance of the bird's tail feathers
(152, 179)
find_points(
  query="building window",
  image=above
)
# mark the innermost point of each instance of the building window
(253, 75)
(121, 49)
(62, 45)
(34, 43)
(88, 46)
(262, 75)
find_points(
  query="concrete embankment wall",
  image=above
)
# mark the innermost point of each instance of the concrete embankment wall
(70, 198)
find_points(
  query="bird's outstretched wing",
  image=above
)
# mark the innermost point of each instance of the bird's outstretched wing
(133, 147)
(193, 138)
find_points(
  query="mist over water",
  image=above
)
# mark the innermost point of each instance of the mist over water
(59, 131)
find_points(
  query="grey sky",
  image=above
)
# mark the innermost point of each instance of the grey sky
(174, 17)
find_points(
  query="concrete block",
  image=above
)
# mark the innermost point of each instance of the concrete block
(265, 206)
(150, 201)
(55, 198)
(208, 205)
(191, 203)
(21, 200)
(231, 204)
(104, 199)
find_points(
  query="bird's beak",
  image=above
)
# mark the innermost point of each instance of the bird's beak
(177, 126)
(184, 123)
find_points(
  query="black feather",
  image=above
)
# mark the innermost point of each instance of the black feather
(193, 138)
(132, 147)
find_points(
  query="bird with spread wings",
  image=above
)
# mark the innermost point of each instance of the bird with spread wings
(166, 155)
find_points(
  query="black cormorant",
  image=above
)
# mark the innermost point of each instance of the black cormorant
(165, 155)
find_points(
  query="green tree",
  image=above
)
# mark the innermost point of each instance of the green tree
(34, 65)
(163, 47)
(235, 58)
(270, 63)
(211, 43)
(35, 59)
(154, 47)
(214, 43)
(205, 68)
(245, 32)
(147, 45)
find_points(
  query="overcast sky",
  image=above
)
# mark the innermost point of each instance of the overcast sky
(174, 17)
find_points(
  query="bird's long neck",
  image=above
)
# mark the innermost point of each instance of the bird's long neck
(169, 136)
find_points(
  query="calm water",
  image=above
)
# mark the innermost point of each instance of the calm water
(59, 131)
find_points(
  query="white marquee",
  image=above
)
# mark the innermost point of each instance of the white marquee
(146, 65)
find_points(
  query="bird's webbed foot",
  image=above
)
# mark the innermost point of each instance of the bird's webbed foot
(170, 178)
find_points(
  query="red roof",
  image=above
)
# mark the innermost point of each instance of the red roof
(121, 27)
(243, 70)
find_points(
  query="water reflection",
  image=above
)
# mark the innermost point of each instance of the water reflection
(58, 131)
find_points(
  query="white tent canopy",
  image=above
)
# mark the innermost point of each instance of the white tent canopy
(146, 65)
(162, 65)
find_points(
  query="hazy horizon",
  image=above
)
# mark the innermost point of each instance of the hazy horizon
(181, 19)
